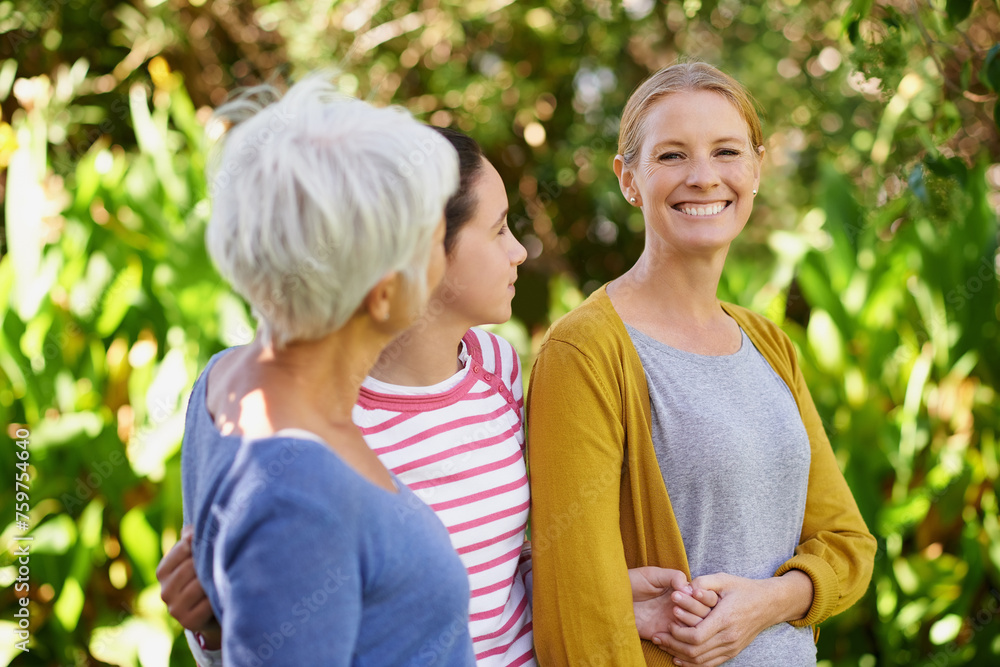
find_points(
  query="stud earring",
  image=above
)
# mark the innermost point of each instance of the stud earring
(755, 192)
(632, 199)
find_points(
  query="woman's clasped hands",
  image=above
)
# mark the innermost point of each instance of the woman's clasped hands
(714, 617)
(663, 598)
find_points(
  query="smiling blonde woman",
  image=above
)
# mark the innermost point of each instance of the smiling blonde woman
(666, 428)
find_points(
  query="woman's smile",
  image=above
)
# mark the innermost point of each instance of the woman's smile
(701, 210)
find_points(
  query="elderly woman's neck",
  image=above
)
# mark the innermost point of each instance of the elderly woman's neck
(423, 355)
(329, 370)
(258, 390)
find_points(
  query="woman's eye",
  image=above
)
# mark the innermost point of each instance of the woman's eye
(670, 156)
(729, 152)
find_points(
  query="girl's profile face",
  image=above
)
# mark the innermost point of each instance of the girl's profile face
(482, 266)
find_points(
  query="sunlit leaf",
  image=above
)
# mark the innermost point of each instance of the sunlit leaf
(7, 73)
(910, 615)
(9, 649)
(149, 450)
(946, 629)
(825, 341)
(54, 536)
(115, 645)
(141, 542)
(90, 524)
(897, 517)
(119, 297)
(67, 429)
(69, 604)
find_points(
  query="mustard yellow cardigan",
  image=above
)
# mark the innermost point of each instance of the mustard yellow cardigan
(599, 505)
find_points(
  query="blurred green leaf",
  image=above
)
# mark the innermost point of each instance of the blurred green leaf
(67, 429)
(120, 297)
(958, 10)
(990, 72)
(825, 340)
(948, 167)
(902, 515)
(90, 524)
(856, 10)
(69, 604)
(55, 536)
(141, 542)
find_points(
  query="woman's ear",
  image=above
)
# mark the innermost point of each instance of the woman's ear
(757, 166)
(626, 181)
(378, 302)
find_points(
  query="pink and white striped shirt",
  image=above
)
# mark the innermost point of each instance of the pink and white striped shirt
(459, 446)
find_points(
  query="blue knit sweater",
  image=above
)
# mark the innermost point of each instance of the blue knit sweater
(306, 562)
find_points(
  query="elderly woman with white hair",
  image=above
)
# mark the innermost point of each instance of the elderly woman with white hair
(328, 219)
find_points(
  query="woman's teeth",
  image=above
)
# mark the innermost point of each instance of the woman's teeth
(711, 209)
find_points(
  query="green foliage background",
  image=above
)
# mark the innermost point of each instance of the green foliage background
(873, 243)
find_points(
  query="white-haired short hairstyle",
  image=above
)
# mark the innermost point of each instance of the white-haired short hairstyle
(316, 197)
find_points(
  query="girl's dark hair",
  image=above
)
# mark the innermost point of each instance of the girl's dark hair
(462, 204)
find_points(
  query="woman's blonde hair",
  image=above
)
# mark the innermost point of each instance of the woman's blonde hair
(681, 77)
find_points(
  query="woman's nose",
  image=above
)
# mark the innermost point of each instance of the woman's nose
(702, 174)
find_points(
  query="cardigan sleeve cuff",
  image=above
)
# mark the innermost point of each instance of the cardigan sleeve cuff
(825, 587)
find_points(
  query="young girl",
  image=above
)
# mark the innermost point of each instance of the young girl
(450, 426)
(443, 410)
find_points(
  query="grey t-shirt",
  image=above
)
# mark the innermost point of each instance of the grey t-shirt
(735, 456)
